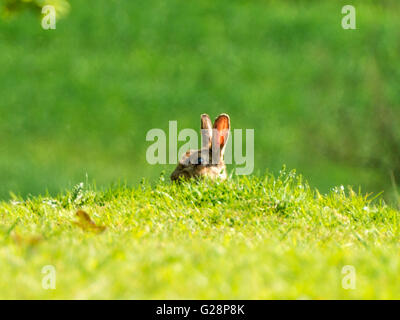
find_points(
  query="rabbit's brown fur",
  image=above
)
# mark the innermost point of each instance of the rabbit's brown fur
(209, 160)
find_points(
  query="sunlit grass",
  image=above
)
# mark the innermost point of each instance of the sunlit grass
(254, 237)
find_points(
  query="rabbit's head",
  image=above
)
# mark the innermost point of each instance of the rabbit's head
(209, 160)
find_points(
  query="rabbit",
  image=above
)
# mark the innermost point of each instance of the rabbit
(209, 160)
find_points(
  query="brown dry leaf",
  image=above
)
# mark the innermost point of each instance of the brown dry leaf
(86, 223)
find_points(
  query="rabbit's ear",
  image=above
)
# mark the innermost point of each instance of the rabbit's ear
(206, 131)
(221, 127)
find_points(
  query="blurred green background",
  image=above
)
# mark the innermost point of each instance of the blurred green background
(80, 99)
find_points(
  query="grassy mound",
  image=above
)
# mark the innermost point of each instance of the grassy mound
(254, 237)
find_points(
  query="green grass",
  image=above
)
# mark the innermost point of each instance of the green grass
(253, 237)
(80, 99)
(77, 102)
